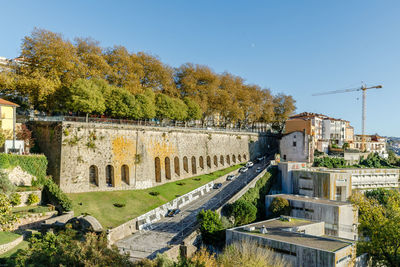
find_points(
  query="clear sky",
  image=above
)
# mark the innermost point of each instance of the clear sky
(294, 47)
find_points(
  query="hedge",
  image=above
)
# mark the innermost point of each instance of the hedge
(52, 194)
(35, 165)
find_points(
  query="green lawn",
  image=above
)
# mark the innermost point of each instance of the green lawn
(137, 202)
(7, 237)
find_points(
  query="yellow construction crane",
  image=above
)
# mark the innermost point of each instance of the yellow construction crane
(364, 89)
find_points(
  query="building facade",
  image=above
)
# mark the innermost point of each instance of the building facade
(340, 218)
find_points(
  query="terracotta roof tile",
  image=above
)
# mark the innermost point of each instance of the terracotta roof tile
(7, 103)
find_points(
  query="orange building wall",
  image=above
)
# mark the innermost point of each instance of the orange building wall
(298, 125)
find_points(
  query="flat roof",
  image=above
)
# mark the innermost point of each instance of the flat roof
(277, 230)
(312, 199)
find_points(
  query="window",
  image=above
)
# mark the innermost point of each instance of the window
(167, 168)
(110, 175)
(125, 173)
(157, 169)
(294, 143)
(93, 175)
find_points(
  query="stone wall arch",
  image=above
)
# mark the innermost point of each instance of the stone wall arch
(228, 160)
(208, 161)
(167, 168)
(244, 156)
(185, 164)
(194, 167)
(201, 162)
(239, 158)
(215, 161)
(125, 174)
(110, 175)
(93, 175)
(176, 166)
(234, 158)
(221, 160)
(157, 165)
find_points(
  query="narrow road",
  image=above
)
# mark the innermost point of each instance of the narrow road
(172, 230)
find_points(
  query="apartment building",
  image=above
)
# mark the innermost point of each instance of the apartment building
(373, 144)
(324, 129)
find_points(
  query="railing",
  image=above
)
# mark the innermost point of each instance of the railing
(150, 123)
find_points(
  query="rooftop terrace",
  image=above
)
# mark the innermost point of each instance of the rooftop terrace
(279, 230)
(312, 199)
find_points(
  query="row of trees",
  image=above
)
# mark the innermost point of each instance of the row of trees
(56, 74)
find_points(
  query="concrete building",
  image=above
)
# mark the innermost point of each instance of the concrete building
(297, 146)
(300, 242)
(322, 183)
(333, 184)
(341, 218)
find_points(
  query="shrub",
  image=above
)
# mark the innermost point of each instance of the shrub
(6, 187)
(154, 193)
(280, 206)
(244, 212)
(15, 199)
(180, 183)
(52, 194)
(119, 205)
(256, 195)
(211, 228)
(32, 199)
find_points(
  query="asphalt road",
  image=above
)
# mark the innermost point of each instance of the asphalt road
(172, 230)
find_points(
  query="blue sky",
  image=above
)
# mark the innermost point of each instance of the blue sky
(294, 47)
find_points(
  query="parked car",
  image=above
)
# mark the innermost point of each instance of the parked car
(249, 164)
(243, 169)
(260, 159)
(173, 212)
(217, 186)
(230, 177)
(259, 169)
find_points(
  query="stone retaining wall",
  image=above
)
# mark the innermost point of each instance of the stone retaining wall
(33, 220)
(24, 197)
(103, 157)
(145, 220)
(6, 247)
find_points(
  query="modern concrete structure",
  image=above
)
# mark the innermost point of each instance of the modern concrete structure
(297, 146)
(300, 242)
(99, 157)
(341, 218)
(333, 184)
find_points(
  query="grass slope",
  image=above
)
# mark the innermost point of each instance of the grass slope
(137, 202)
(7, 237)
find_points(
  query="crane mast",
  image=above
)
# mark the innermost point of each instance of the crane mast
(364, 89)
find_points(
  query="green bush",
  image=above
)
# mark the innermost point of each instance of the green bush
(211, 228)
(256, 195)
(6, 187)
(15, 199)
(52, 194)
(32, 199)
(119, 205)
(244, 212)
(33, 164)
(154, 193)
(280, 206)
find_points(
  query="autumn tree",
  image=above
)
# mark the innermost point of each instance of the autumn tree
(124, 69)
(156, 75)
(198, 83)
(284, 106)
(379, 226)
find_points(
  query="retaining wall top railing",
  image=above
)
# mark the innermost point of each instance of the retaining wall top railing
(257, 128)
